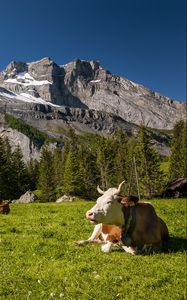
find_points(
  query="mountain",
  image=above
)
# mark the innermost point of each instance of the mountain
(81, 86)
(82, 95)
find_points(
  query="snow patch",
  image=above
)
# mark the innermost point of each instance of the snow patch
(26, 79)
(27, 98)
(95, 81)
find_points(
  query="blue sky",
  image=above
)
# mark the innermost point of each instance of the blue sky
(142, 40)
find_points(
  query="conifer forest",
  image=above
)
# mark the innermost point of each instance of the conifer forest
(80, 163)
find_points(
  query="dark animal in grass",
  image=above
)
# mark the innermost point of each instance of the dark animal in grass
(4, 207)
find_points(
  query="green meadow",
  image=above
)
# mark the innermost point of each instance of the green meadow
(39, 258)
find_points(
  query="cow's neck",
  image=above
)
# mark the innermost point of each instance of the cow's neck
(129, 224)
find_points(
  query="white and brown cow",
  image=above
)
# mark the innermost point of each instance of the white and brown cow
(111, 209)
(109, 235)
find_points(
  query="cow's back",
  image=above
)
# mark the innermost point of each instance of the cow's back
(147, 229)
(146, 215)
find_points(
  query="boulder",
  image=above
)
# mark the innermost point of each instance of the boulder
(65, 198)
(28, 197)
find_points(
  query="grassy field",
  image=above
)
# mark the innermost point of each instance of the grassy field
(39, 259)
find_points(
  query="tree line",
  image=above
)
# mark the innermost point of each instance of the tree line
(82, 163)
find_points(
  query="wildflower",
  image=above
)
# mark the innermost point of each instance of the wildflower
(97, 276)
(52, 295)
(65, 280)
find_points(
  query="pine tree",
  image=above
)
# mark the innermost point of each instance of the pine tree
(13, 175)
(151, 178)
(72, 180)
(88, 172)
(8, 150)
(46, 175)
(72, 141)
(58, 165)
(105, 161)
(121, 158)
(64, 153)
(4, 170)
(33, 173)
(184, 152)
(19, 174)
(131, 185)
(178, 158)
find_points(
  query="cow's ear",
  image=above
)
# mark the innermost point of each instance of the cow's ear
(124, 200)
(129, 201)
(119, 198)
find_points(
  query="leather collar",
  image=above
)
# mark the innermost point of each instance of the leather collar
(130, 222)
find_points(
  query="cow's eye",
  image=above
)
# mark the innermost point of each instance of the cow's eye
(109, 202)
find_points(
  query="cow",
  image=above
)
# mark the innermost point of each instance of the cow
(4, 207)
(109, 235)
(139, 223)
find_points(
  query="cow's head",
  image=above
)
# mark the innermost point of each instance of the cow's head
(108, 209)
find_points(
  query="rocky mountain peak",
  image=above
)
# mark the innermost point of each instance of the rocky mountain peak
(13, 69)
(86, 85)
(44, 69)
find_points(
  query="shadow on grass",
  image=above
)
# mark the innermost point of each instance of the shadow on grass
(175, 244)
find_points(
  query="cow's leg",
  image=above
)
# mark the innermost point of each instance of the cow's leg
(107, 247)
(154, 248)
(150, 248)
(96, 232)
(130, 250)
(94, 238)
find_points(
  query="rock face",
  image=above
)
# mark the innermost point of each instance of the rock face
(83, 90)
(28, 197)
(16, 138)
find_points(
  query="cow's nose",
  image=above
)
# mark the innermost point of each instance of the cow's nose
(89, 214)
